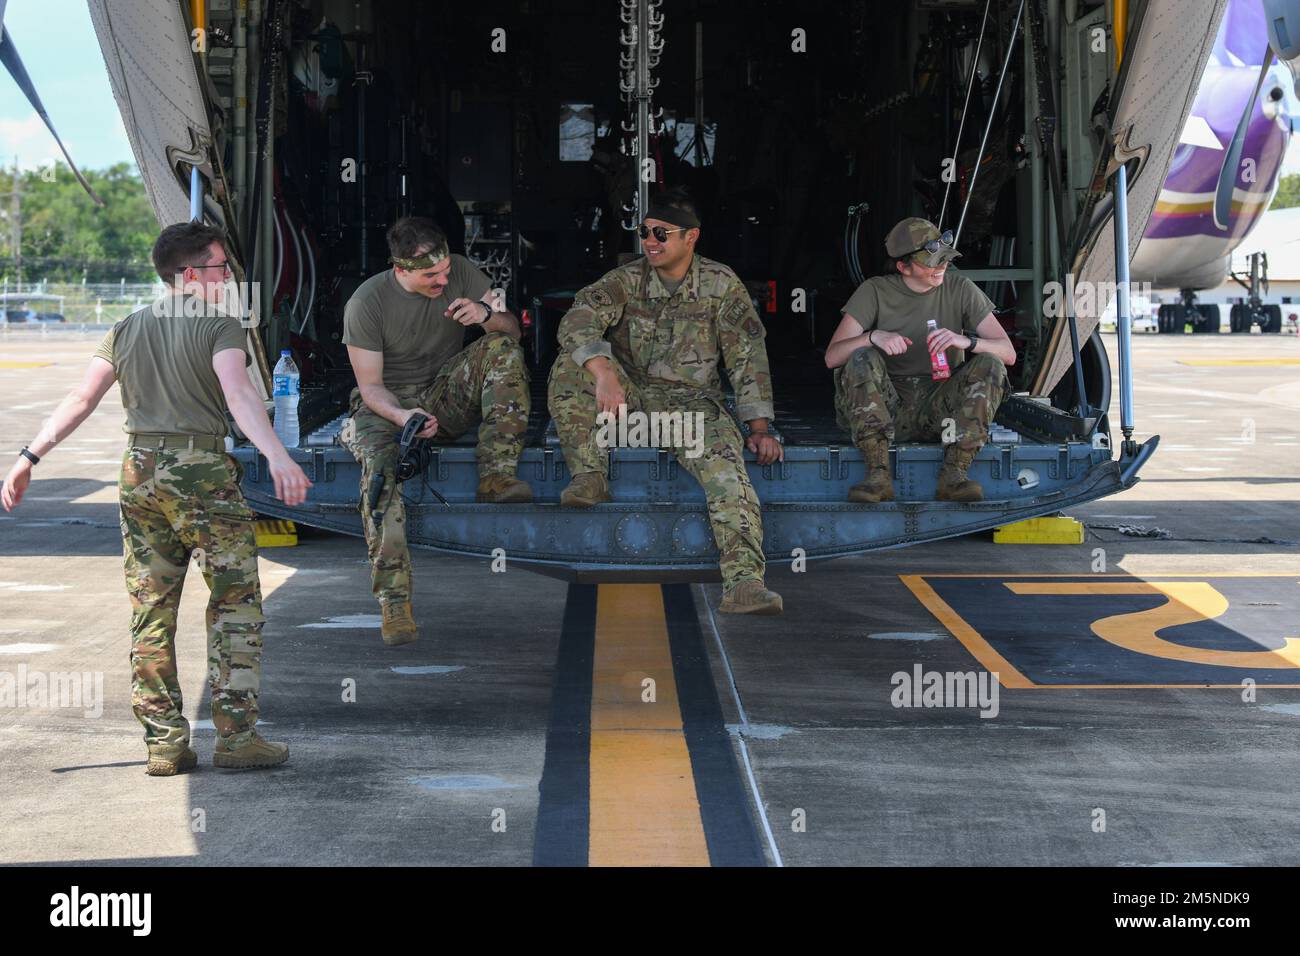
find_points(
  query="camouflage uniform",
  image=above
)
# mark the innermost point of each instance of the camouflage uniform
(912, 408)
(485, 384)
(179, 496)
(665, 350)
(177, 502)
(872, 404)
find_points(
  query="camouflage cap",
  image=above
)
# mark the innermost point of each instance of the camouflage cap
(910, 235)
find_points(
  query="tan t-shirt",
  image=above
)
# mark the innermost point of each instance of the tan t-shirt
(412, 331)
(163, 364)
(886, 303)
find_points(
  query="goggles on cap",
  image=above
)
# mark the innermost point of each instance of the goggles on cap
(931, 245)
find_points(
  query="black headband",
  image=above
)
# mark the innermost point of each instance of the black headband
(666, 213)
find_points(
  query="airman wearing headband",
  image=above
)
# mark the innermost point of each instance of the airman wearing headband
(405, 332)
(648, 337)
(881, 354)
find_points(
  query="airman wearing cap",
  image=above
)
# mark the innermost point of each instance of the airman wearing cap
(881, 353)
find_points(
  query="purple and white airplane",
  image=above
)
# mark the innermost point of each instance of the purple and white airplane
(1188, 243)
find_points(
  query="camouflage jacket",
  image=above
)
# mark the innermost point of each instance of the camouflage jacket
(674, 342)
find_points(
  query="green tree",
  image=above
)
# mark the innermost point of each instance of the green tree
(66, 237)
(1288, 192)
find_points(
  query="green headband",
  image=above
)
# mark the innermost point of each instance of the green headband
(426, 261)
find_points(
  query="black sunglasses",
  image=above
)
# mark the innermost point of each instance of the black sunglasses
(932, 245)
(660, 233)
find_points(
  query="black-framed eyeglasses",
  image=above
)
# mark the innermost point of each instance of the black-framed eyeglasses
(659, 232)
(219, 265)
(932, 245)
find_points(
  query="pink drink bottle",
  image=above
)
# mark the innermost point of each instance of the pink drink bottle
(938, 360)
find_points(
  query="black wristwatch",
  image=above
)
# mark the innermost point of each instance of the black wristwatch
(973, 339)
(30, 455)
(490, 310)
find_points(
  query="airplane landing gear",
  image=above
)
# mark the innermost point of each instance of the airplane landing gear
(1253, 311)
(1174, 319)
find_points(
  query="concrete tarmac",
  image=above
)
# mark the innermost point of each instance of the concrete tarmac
(1128, 741)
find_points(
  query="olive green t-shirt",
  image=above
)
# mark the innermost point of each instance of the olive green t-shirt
(886, 303)
(163, 364)
(412, 330)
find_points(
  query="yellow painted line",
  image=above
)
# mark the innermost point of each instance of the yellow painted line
(1189, 602)
(1127, 576)
(8, 363)
(644, 810)
(1244, 361)
(992, 661)
(1008, 675)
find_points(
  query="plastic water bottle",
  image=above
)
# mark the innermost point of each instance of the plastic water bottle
(939, 369)
(287, 381)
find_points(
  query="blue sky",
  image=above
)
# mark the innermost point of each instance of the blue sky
(67, 68)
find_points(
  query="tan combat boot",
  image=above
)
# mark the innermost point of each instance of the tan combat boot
(501, 489)
(953, 483)
(751, 597)
(398, 624)
(878, 486)
(585, 491)
(169, 761)
(255, 754)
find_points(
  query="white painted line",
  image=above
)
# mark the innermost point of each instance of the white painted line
(348, 621)
(744, 724)
(760, 731)
(27, 648)
(905, 636)
(1291, 710)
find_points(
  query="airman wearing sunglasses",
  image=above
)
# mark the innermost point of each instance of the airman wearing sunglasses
(650, 336)
(881, 353)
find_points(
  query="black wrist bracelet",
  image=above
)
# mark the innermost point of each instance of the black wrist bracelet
(30, 456)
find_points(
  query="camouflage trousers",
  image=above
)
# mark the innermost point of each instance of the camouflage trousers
(178, 503)
(871, 404)
(485, 384)
(734, 511)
